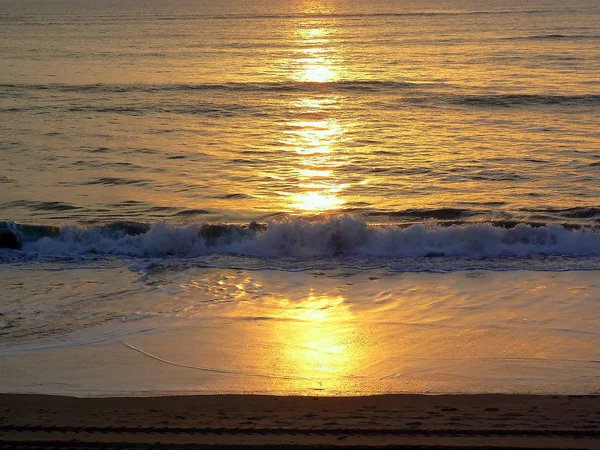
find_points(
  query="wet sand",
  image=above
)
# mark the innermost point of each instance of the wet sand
(230, 421)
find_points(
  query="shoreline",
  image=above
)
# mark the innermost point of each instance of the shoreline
(225, 331)
(227, 421)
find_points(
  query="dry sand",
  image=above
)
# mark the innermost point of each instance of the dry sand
(229, 421)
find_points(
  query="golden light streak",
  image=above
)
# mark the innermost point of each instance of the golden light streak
(315, 134)
(317, 201)
(322, 347)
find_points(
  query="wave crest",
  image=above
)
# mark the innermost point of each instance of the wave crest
(301, 238)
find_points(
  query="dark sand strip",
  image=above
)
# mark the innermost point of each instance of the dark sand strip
(44, 445)
(229, 421)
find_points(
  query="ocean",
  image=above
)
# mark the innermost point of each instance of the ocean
(329, 197)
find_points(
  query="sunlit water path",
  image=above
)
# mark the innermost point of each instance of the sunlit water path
(236, 112)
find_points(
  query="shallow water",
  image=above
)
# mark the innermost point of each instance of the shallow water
(409, 190)
(309, 333)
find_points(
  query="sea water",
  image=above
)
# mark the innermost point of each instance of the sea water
(332, 196)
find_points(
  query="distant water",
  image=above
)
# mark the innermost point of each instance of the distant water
(392, 112)
(160, 142)
(203, 111)
(234, 112)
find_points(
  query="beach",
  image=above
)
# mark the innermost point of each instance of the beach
(224, 421)
(295, 359)
(174, 330)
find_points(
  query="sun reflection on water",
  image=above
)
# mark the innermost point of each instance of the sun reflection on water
(315, 133)
(316, 171)
(317, 201)
(310, 339)
(320, 342)
(318, 61)
(317, 70)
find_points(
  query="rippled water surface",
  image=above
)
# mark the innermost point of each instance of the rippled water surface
(227, 196)
(239, 111)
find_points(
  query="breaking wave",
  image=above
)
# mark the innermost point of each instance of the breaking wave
(337, 237)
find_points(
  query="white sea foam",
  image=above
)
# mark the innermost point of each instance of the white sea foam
(338, 236)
